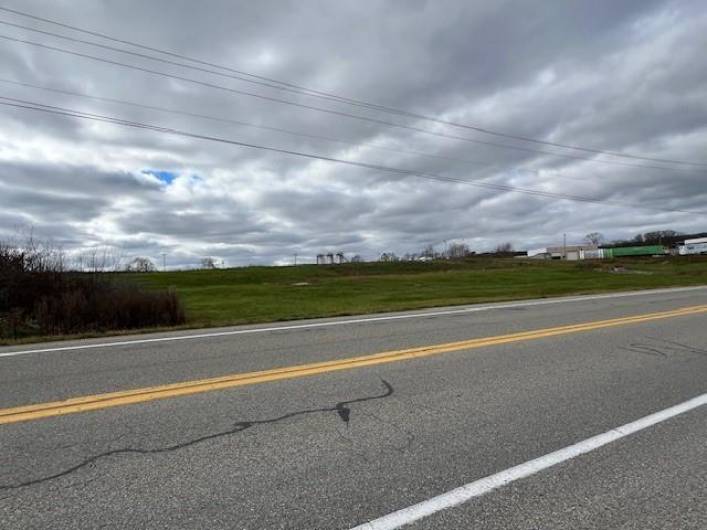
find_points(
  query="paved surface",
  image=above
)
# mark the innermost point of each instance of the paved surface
(339, 449)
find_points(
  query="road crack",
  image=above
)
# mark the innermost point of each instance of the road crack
(342, 409)
(664, 348)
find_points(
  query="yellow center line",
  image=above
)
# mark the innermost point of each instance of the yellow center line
(141, 395)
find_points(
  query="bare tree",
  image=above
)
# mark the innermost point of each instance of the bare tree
(141, 264)
(113, 259)
(428, 252)
(388, 257)
(39, 256)
(656, 237)
(458, 251)
(208, 263)
(99, 259)
(504, 248)
(595, 238)
(356, 258)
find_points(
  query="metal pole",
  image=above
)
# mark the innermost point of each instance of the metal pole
(164, 261)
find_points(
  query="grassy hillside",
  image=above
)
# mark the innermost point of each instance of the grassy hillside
(261, 294)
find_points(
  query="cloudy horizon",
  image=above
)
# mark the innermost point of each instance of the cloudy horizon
(625, 77)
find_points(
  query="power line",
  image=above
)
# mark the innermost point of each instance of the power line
(283, 85)
(330, 111)
(171, 54)
(263, 127)
(241, 123)
(12, 102)
(165, 61)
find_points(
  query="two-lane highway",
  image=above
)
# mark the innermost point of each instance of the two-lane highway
(338, 423)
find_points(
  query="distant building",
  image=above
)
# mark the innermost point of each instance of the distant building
(538, 253)
(568, 252)
(693, 246)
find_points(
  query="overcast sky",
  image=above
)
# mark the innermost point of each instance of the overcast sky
(627, 76)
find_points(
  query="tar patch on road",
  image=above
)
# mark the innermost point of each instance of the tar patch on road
(665, 349)
(342, 409)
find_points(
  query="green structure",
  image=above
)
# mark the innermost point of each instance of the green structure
(649, 250)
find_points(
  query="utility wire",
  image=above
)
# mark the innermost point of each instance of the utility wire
(21, 104)
(283, 85)
(267, 128)
(330, 111)
(271, 128)
(243, 123)
(165, 61)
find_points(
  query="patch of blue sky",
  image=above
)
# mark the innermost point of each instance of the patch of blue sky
(166, 177)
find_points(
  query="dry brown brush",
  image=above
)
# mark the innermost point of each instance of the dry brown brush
(38, 296)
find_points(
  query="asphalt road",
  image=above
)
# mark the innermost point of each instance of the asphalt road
(341, 448)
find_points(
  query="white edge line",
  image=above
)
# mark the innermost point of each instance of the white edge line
(485, 485)
(473, 309)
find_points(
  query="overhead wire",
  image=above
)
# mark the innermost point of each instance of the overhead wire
(283, 85)
(243, 123)
(488, 165)
(331, 111)
(52, 109)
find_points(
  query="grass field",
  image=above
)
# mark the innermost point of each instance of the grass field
(264, 294)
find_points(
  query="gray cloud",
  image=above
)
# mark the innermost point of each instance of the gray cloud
(625, 76)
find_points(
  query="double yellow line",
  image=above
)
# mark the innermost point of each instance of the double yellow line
(141, 395)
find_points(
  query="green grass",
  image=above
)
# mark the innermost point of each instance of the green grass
(266, 294)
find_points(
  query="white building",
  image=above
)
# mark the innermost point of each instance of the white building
(693, 246)
(568, 252)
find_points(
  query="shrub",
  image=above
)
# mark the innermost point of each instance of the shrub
(38, 296)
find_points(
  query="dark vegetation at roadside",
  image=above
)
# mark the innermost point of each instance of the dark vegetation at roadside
(39, 297)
